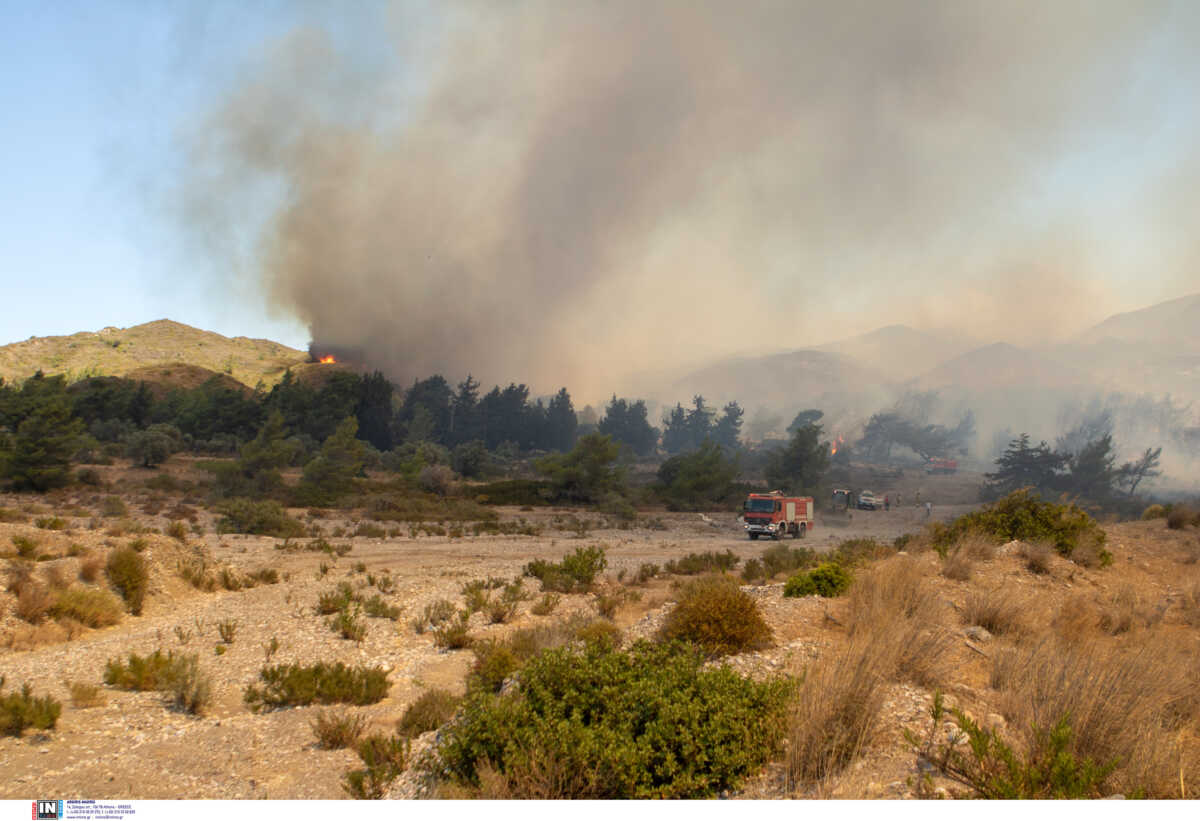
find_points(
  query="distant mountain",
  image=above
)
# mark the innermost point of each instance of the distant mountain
(998, 366)
(1172, 325)
(899, 351)
(123, 351)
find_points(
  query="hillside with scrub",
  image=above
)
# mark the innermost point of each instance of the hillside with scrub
(123, 351)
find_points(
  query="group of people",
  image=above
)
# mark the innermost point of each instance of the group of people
(887, 503)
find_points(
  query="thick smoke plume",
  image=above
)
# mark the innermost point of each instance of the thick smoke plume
(568, 193)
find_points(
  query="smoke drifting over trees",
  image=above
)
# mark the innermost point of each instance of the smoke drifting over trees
(567, 192)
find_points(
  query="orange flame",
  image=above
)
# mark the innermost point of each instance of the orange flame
(837, 443)
(328, 360)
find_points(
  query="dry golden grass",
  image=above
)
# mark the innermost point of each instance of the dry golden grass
(1134, 705)
(999, 611)
(1076, 619)
(90, 567)
(1189, 605)
(1037, 556)
(957, 566)
(978, 546)
(85, 695)
(33, 603)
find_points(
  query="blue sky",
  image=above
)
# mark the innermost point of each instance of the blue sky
(96, 94)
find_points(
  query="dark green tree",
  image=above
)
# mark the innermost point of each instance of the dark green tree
(628, 423)
(701, 477)
(331, 474)
(589, 473)
(675, 430)
(148, 448)
(1092, 470)
(560, 422)
(728, 429)
(1022, 466)
(374, 411)
(39, 457)
(800, 467)
(1145, 466)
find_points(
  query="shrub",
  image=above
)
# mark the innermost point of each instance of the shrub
(434, 614)
(128, 575)
(431, 710)
(94, 608)
(377, 608)
(177, 530)
(1154, 512)
(574, 574)
(781, 559)
(26, 547)
(383, 758)
(348, 625)
(336, 730)
(1180, 517)
(89, 568)
(452, 633)
(178, 676)
(20, 711)
(84, 695)
(595, 722)
(34, 602)
(189, 689)
(338, 599)
(504, 606)
(710, 562)
(51, 523)
(1022, 515)
(265, 575)
(113, 507)
(716, 615)
(546, 604)
(227, 630)
(991, 768)
(264, 517)
(828, 580)
(286, 685)
(753, 571)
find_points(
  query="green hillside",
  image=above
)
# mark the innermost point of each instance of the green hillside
(119, 351)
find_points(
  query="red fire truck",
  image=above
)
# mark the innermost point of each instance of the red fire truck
(774, 515)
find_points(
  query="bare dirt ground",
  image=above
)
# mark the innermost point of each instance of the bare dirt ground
(132, 746)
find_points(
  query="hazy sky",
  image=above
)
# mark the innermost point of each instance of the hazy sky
(685, 178)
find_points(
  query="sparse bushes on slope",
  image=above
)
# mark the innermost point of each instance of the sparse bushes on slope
(430, 711)
(178, 676)
(716, 615)
(383, 758)
(262, 517)
(695, 563)
(1023, 515)
(336, 730)
(595, 722)
(91, 607)
(574, 574)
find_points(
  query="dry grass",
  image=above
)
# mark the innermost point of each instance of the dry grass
(1037, 556)
(85, 695)
(999, 611)
(835, 712)
(30, 637)
(90, 567)
(337, 729)
(1131, 704)
(957, 566)
(34, 602)
(1189, 605)
(978, 546)
(19, 575)
(895, 605)
(1076, 619)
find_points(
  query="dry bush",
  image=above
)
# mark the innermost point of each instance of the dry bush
(835, 712)
(433, 709)
(1191, 553)
(714, 614)
(31, 637)
(34, 602)
(957, 566)
(978, 546)
(85, 695)
(89, 568)
(1076, 619)
(1181, 516)
(894, 605)
(1128, 704)
(88, 607)
(337, 729)
(1037, 556)
(999, 611)
(1189, 605)
(20, 574)
(1120, 612)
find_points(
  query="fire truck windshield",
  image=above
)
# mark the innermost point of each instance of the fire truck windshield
(759, 506)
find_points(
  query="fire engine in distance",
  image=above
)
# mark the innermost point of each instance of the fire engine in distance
(775, 515)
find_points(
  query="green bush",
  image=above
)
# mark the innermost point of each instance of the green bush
(287, 685)
(26, 547)
(695, 563)
(51, 523)
(716, 615)
(574, 574)
(753, 571)
(127, 573)
(782, 559)
(94, 608)
(178, 676)
(1022, 515)
(452, 633)
(383, 758)
(991, 768)
(348, 625)
(340, 598)
(337, 730)
(594, 722)
(20, 711)
(517, 492)
(430, 711)
(434, 614)
(377, 608)
(262, 517)
(829, 580)
(1154, 512)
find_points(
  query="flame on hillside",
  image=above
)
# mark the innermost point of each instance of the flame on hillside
(837, 443)
(327, 360)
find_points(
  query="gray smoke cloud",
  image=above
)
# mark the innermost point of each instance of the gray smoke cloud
(570, 193)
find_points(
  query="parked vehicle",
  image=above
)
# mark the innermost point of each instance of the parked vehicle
(869, 501)
(775, 515)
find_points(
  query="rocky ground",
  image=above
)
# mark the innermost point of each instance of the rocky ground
(134, 746)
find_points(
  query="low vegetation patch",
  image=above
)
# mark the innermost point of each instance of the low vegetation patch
(999, 611)
(595, 722)
(717, 616)
(695, 563)
(383, 758)
(176, 675)
(1023, 516)
(128, 575)
(88, 606)
(288, 685)
(828, 581)
(337, 729)
(263, 517)
(574, 574)
(22, 710)
(431, 710)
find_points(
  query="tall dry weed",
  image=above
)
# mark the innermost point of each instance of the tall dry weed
(1134, 704)
(999, 611)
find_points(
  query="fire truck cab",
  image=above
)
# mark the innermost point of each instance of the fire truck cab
(775, 515)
